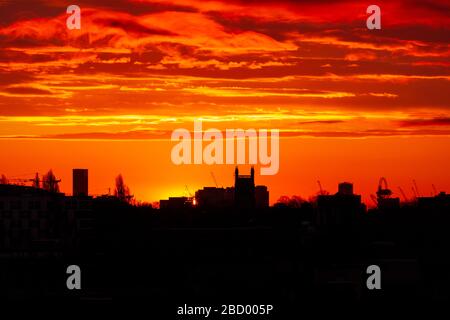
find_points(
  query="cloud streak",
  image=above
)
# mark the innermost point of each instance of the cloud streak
(181, 58)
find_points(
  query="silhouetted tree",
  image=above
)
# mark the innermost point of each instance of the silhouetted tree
(291, 202)
(36, 181)
(49, 182)
(122, 191)
(155, 205)
(3, 179)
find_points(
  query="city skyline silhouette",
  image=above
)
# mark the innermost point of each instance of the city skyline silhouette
(53, 183)
(310, 251)
(135, 168)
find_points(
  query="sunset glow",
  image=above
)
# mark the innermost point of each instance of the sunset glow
(351, 104)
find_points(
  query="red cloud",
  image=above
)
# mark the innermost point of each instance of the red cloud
(440, 121)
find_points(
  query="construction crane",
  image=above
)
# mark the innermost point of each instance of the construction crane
(374, 200)
(18, 181)
(403, 194)
(191, 199)
(417, 189)
(186, 188)
(214, 178)
(384, 199)
(434, 190)
(320, 188)
(414, 192)
(49, 182)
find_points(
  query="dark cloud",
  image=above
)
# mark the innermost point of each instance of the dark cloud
(24, 90)
(132, 27)
(16, 10)
(441, 121)
(320, 122)
(123, 135)
(8, 78)
(161, 134)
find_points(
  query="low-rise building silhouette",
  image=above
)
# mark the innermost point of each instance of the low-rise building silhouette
(212, 197)
(342, 208)
(176, 203)
(439, 203)
(243, 195)
(261, 197)
(30, 219)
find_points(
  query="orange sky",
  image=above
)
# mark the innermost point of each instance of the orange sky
(351, 104)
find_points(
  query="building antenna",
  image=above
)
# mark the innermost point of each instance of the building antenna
(214, 179)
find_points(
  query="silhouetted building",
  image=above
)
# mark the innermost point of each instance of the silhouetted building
(244, 189)
(388, 203)
(80, 230)
(345, 188)
(243, 195)
(261, 197)
(31, 219)
(175, 203)
(212, 197)
(439, 202)
(80, 182)
(343, 208)
(40, 221)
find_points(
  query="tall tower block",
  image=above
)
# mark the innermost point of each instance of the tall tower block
(80, 182)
